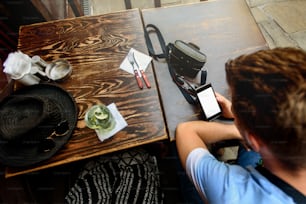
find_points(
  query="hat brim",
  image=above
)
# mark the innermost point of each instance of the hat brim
(22, 156)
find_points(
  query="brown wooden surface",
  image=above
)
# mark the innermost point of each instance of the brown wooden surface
(95, 46)
(223, 29)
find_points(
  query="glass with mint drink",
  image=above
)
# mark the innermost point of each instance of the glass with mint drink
(100, 118)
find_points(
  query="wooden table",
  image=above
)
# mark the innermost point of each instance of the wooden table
(95, 46)
(223, 29)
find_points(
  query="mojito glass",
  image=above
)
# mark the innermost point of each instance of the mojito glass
(99, 117)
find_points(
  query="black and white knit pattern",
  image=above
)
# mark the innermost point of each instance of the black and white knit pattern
(129, 177)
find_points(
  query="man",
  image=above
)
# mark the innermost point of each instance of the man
(268, 94)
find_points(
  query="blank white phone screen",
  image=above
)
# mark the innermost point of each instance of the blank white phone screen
(208, 102)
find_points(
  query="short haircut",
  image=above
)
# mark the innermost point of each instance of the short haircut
(269, 100)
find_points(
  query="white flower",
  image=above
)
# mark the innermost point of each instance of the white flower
(17, 65)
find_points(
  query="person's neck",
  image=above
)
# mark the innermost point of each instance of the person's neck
(297, 179)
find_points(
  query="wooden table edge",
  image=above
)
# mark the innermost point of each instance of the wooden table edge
(9, 174)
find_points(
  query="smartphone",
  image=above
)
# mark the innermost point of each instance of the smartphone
(209, 104)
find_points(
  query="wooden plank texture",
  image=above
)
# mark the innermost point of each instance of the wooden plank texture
(95, 46)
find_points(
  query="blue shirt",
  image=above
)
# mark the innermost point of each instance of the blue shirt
(222, 183)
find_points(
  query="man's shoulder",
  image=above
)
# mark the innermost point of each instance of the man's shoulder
(219, 181)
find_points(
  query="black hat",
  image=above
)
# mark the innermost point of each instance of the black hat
(35, 122)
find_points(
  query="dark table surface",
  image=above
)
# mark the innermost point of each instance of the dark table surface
(222, 29)
(95, 46)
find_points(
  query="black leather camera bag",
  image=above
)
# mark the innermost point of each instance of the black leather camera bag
(186, 58)
(183, 59)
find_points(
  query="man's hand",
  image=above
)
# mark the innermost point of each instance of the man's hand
(226, 106)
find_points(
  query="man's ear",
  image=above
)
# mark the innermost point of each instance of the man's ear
(254, 142)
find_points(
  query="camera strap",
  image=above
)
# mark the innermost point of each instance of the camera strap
(186, 88)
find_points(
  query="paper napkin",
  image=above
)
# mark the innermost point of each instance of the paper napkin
(120, 123)
(142, 60)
